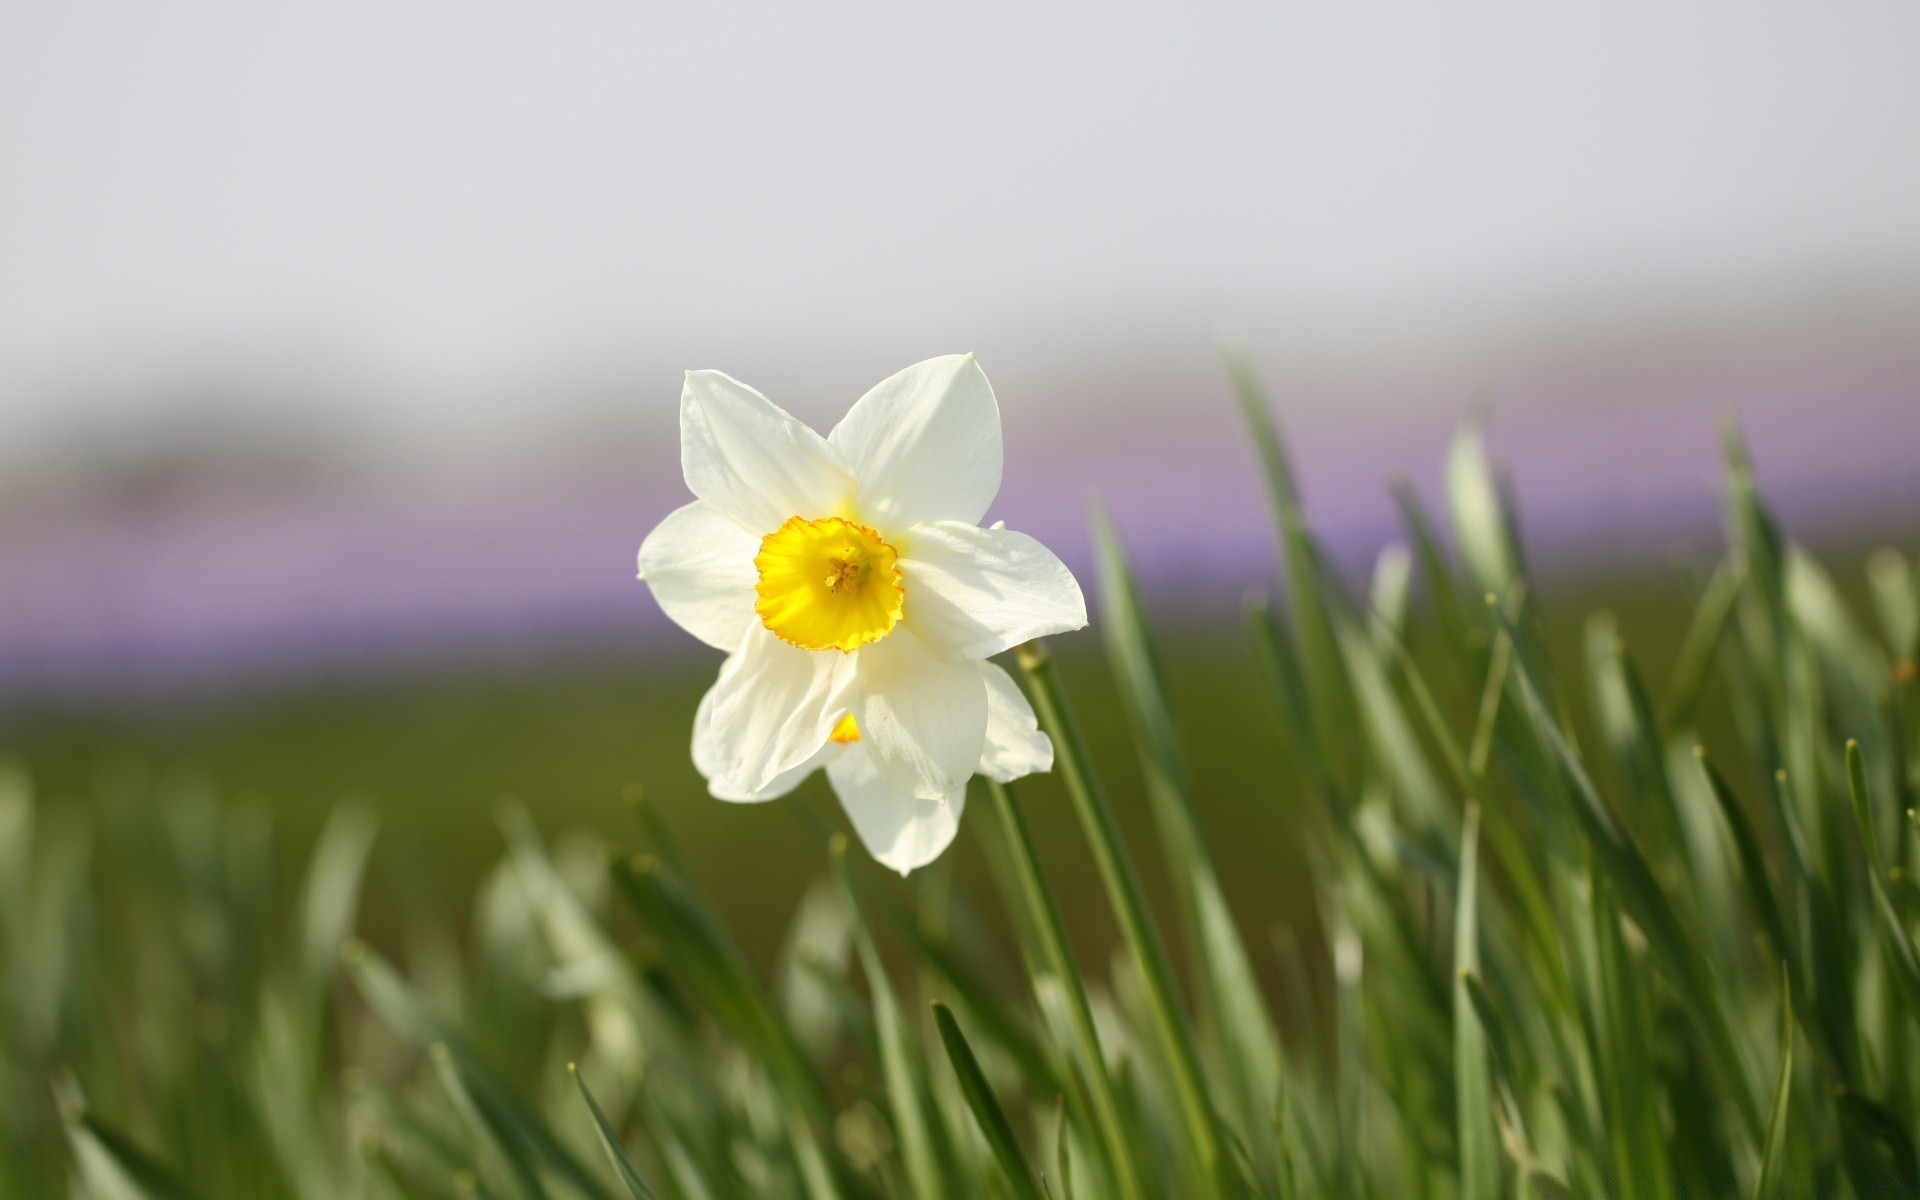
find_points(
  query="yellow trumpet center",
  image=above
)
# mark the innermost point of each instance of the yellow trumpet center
(828, 584)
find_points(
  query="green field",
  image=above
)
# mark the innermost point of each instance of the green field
(1602, 888)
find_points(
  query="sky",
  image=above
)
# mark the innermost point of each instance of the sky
(435, 213)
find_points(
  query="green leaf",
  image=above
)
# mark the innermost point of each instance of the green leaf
(1894, 934)
(1480, 520)
(1644, 899)
(1224, 974)
(1043, 914)
(622, 1165)
(1473, 1097)
(1769, 1182)
(332, 894)
(1698, 644)
(114, 1167)
(1466, 638)
(488, 1102)
(900, 1057)
(1311, 586)
(986, 1109)
(1170, 1024)
(1896, 594)
(1753, 868)
(713, 967)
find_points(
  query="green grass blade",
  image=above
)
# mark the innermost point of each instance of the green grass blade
(1893, 932)
(718, 973)
(1466, 638)
(1061, 1154)
(1044, 917)
(1697, 645)
(1480, 519)
(900, 1057)
(1896, 598)
(623, 1167)
(1644, 899)
(1330, 705)
(1224, 973)
(995, 1019)
(523, 1137)
(1753, 867)
(986, 1108)
(114, 1167)
(332, 893)
(1473, 1096)
(495, 1136)
(1771, 1149)
(1171, 1025)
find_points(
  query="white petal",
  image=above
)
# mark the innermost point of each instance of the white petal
(699, 565)
(1015, 745)
(924, 445)
(773, 707)
(706, 760)
(923, 719)
(901, 831)
(974, 592)
(752, 460)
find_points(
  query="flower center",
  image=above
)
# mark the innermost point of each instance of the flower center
(828, 584)
(845, 730)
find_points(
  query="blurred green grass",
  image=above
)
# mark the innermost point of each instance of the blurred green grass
(435, 749)
(1470, 911)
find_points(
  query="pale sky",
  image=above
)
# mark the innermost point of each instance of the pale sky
(448, 207)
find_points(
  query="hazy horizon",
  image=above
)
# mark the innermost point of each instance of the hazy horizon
(345, 217)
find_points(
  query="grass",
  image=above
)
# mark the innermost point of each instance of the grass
(1489, 922)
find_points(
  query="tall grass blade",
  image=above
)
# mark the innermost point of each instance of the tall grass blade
(1473, 1097)
(900, 1058)
(332, 895)
(114, 1167)
(1170, 1024)
(1224, 972)
(1644, 899)
(1044, 917)
(629, 1175)
(1329, 701)
(1753, 868)
(1771, 1150)
(986, 1109)
(1893, 931)
(495, 1108)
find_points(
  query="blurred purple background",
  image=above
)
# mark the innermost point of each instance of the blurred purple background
(336, 340)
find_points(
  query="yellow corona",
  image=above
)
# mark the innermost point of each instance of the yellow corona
(828, 584)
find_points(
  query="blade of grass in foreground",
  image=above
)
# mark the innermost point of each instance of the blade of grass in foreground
(496, 1108)
(986, 1109)
(1769, 1183)
(1753, 867)
(616, 1157)
(1329, 699)
(900, 1058)
(720, 976)
(1224, 973)
(1899, 943)
(1136, 925)
(114, 1167)
(1044, 916)
(1473, 1097)
(1641, 894)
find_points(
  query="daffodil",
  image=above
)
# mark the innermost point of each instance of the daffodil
(858, 599)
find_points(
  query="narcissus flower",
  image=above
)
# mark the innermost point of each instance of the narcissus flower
(858, 598)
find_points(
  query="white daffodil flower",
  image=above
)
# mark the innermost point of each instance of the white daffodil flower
(857, 597)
